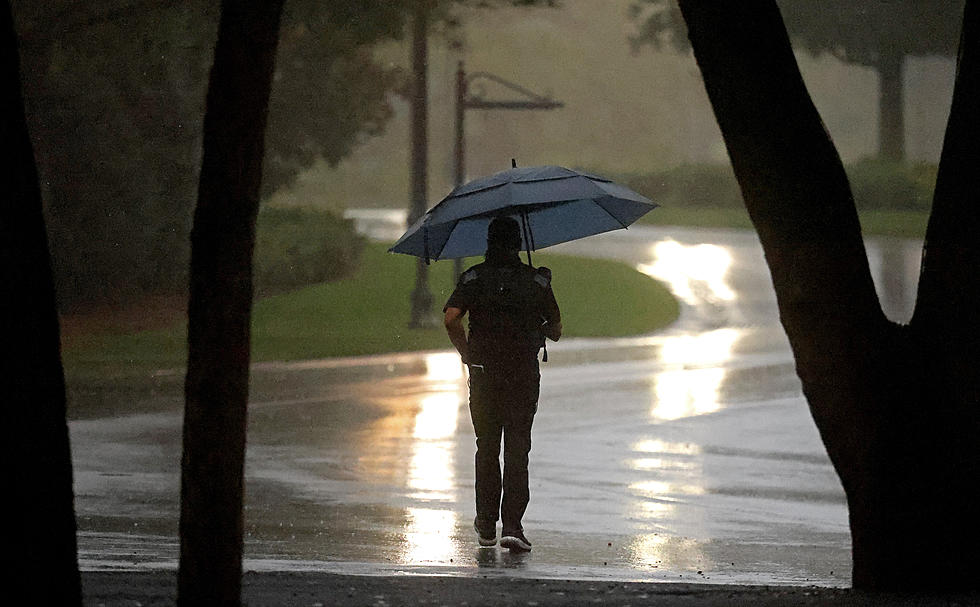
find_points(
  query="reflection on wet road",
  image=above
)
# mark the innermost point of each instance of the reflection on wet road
(685, 455)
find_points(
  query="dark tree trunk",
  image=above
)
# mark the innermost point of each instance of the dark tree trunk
(891, 105)
(219, 311)
(41, 559)
(896, 406)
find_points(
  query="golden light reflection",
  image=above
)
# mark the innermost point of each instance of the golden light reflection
(431, 471)
(663, 490)
(649, 549)
(654, 510)
(657, 463)
(659, 551)
(712, 347)
(443, 367)
(650, 488)
(437, 417)
(429, 535)
(660, 446)
(690, 384)
(675, 473)
(654, 506)
(695, 273)
(686, 393)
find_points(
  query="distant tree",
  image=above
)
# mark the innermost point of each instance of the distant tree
(41, 559)
(115, 93)
(896, 405)
(874, 34)
(330, 91)
(219, 312)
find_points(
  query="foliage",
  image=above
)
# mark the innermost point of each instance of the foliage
(876, 185)
(688, 186)
(855, 32)
(885, 185)
(115, 99)
(115, 95)
(296, 247)
(329, 92)
(860, 32)
(878, 35)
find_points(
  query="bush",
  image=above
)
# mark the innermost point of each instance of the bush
(298, 247)
(876, 185)
(689, 186)
(888, 185)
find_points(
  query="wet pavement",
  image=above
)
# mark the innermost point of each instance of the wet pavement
(686, 455)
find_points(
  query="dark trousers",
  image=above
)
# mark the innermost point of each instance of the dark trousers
(503, 401)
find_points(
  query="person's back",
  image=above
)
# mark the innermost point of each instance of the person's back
(509, 304)
(512, 309)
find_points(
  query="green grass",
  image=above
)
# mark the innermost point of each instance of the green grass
(907, 224)
(369, 312)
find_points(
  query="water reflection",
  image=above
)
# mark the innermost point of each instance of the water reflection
(437, 417)
(431, 478)
(658, 551)
(668, 475)
(429, 535)
(444, 367)
(695, 273)
(694, 372)
(661, 446)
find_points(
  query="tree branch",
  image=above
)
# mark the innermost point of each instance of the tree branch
(949, 291)
(797, 195)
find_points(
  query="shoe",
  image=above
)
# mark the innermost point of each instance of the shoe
(487, 535)
(515, 541)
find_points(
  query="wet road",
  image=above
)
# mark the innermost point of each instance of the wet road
(686, 455)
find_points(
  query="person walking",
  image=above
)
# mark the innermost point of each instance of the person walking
(512, 309)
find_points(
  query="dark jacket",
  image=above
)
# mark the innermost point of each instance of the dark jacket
(508, 302)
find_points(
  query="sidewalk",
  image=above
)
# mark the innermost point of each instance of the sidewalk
(320, 589)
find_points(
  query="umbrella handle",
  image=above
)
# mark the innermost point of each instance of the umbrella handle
(528, 236)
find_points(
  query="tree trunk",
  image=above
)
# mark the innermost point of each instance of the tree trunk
(41, 559)
(219, 311)
(896, 411)
(891, 105)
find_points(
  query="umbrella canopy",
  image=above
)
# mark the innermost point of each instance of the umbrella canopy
(553, 204)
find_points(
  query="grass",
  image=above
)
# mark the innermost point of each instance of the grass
(904, 224)
(368, 313)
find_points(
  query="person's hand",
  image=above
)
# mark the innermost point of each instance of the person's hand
(545, 271)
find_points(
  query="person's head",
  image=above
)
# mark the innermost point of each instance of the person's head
(503, 236)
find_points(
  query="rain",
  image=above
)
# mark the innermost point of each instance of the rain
(680, 434)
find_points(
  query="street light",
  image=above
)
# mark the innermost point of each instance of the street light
(465, 101)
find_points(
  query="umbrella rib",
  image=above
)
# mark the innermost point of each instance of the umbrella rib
(621, 224)
(453, 229)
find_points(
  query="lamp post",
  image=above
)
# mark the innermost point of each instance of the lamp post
(466, 101)
(421, 298)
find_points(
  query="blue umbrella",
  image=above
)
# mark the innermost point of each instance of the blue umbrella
(553, 204)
